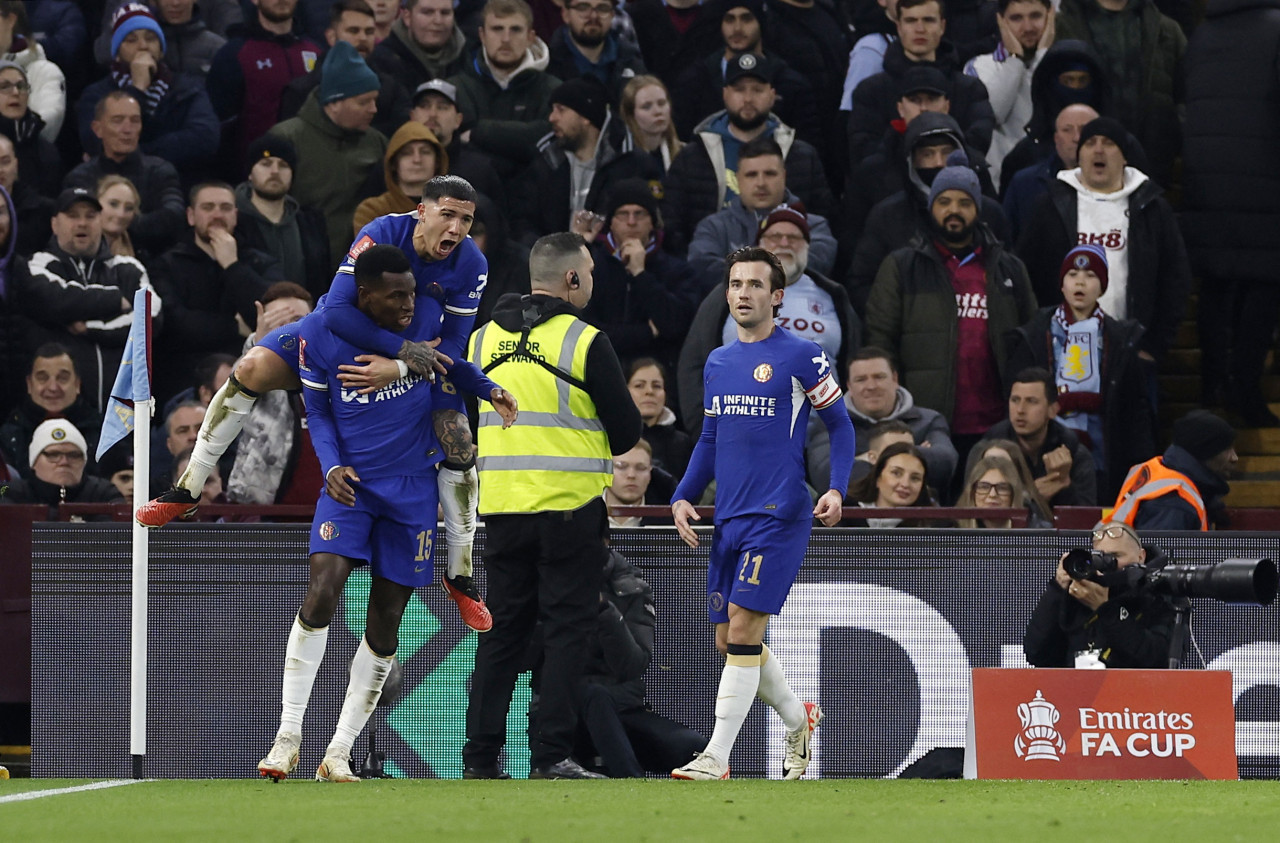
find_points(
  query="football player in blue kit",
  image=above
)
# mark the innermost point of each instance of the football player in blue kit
(757, 395)
(378, 507)
(451, 274)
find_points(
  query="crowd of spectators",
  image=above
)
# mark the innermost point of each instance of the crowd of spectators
(990, 213)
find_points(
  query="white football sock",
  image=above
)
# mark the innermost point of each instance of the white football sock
(738, 685)
(368, 674)
(459, 491)
(302, 659)
(223, 421)
(777, 694)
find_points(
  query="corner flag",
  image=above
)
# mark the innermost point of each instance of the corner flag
(133, 381)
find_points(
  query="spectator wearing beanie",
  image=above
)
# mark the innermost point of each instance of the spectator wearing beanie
(48, 94)
(57, 457)
(178, 120)
(813, 307)
(1105, 200)
(339, 154)
(644, 298)
(1101, 381)
(272, 221)
(587, 152)
(1183, 489)
(944, 305)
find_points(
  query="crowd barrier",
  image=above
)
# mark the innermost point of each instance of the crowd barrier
(882, 628)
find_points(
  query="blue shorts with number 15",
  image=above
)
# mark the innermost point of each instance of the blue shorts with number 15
(754, 561)
(391, 527)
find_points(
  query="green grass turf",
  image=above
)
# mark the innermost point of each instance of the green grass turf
(654, 809)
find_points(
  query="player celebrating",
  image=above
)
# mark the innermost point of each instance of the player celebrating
(756, 398)
(378, 506)
(451, 274)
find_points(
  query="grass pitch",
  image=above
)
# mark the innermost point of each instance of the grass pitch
(644, 810)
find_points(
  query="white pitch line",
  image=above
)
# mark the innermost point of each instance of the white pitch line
(40, 794)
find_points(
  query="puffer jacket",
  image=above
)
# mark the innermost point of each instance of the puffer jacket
(911, 312)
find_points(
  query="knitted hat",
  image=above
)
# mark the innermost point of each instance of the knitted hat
(344, 75)
(1108, 128)
(133, 16)
(635, 192)
(749, 64)
(4, 65)
(118, 457)
(1090, 257)
(273, 146)
(755, 7)
(1201, 434)
(585, 96)
(54, 432)
(793, 214)
(957, 175)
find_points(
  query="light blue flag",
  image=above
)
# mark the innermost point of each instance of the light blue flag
(133, 381)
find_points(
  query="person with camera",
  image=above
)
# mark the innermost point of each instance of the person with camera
(1094, 613)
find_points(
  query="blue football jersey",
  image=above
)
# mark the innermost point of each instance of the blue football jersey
(448, 288)
(760, 395)
(387, 433)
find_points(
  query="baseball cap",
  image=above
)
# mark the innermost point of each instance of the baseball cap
(445, 89)
(749, 64)
(70, 197)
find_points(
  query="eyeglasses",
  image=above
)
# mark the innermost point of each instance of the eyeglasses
(588, 10)
(70, 457)
(20, 87)
(982, 489)
(1110, 533)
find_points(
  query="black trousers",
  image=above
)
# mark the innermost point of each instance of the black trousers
(542, 566)
(631, 741)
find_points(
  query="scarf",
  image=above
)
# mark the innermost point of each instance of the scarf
(1078, 361)
(151, 97)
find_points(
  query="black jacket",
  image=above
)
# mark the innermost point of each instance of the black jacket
(623, 305)
(627, 65)
(1132, 629)
(621, 645)
(875, 101)
(1128, 423)
(1159, 273)
(90, 489)
(1083, 490)
(1230, 168)
(541, 196)
(16, 432)
(163, 214)
(602, 374)
(201, 300)
(38, 159)
(666, 51)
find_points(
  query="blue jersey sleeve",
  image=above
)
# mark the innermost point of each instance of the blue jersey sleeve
(462, 299)
(702, 463)
(819, 383)
(314, 373)
(339, 311)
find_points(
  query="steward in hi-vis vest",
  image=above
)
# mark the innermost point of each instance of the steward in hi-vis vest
(541, 487)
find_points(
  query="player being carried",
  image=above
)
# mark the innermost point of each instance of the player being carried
(451, 273)
(756, 398)
(378, 506)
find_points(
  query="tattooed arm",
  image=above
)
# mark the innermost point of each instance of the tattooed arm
(454, 432)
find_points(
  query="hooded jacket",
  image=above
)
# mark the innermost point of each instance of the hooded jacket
(417, 65)
(911, 312)
(183, 129)
(48, 96)
(1159, 280)
(926, 425)
(394, 103)
(701, 88)
(1230, 168)
(298, 243)
(541, 198)
(62, 290)
(336, 169)
(738, 225)
(191, 46)
(394, 200)
(507, 118)
(875, 101)
(696, 185)
(1128, 422)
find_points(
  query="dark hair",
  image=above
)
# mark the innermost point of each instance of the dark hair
(377, 260)
(111, 96)
(644, 363)
(287, 290)
(888, 426)
(53, 349)
(450, 187)
(206, 369)
(205, 185)
(190, 402)
(1040, 375)
(761, 146)
(338, 9)
(756, 254)
(865, 491)
(1003, 5)
(875, 352)
(908, 4)
(22, 26)
(552, 255)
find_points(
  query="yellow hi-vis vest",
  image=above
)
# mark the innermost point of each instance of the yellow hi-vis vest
(556, 456)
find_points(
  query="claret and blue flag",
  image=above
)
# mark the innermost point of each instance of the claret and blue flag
(133, 381)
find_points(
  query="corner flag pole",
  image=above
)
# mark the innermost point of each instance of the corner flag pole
(143, 411)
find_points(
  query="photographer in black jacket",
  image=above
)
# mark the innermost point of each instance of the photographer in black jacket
(1086, 623)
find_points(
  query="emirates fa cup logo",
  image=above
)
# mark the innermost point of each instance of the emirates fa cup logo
(1038, 740)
